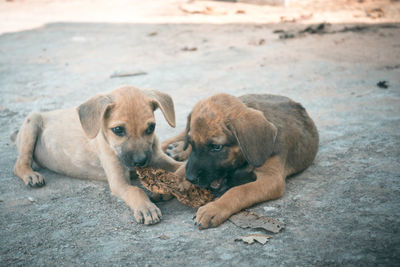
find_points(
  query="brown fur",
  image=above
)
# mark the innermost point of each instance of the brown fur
(267, 135)
(79, 142)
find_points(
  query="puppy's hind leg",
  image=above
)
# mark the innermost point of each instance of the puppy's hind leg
(26, 141)
(174, 139)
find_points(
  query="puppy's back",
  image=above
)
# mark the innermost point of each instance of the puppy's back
(297, 139)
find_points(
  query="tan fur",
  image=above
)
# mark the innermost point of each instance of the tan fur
(273, 134)
(78, 142)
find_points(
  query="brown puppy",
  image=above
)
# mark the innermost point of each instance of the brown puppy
(244, 148)
(102, 139)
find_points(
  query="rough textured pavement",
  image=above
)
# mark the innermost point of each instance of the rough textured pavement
(343, 210)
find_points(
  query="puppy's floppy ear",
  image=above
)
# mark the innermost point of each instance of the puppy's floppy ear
(91, 113)
(255, 135)
(186, 141)
(164, 102)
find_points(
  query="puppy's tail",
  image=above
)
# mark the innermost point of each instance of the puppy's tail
(13, 136)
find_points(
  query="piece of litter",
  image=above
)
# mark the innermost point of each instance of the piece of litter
(190, 49)
(251, 238)
(31, 199)
(269, 208)
(287, 19)
(247, 219)
(195, 9)
(127, 74)
(382, 84)
(316, 29)
(163, 237)
(286, 35)
(375, 13)
(200, 8)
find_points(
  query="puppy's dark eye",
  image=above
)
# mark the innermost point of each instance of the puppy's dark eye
(150, 129)
(215, 148)
(119, 130)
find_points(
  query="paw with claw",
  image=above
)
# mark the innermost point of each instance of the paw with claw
(176, 151)
(30, 177)
(147, 213)
(211, 215)
(144, 211)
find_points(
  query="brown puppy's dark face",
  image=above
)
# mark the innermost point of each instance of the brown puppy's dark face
(215, 166)
(126, 120)
(214, 159)
(225, 137)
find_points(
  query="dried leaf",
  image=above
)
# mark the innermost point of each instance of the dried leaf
(193, 9)
(200, 8)
(251, 238)
(247, 219)
(189, 49)
(160, 182)
(375, 13)
(163, 237)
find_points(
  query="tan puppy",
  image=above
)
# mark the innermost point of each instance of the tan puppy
(243, 148)
(102, 139)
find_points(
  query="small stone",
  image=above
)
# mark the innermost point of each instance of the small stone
(163, 237)
(269, 208)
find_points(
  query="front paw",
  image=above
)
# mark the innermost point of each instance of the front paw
(30, 177)
(211, 215)
(176, 151)
(147, 213)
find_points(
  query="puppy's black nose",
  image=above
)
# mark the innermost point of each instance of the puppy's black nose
(191, 178)
(140, 160)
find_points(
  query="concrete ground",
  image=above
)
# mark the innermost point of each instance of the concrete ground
(343, 210)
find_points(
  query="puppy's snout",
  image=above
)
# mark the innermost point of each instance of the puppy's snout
(191, 178)
(192, 172)
(135, 158)
(140, 160)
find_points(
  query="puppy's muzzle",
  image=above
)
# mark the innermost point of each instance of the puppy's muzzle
(196, 178)
(192, 178)
(140, 160)
(135, 159)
